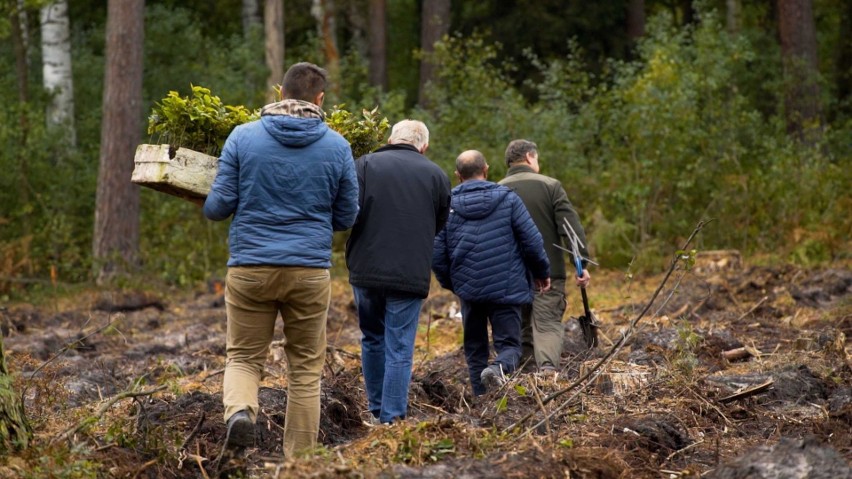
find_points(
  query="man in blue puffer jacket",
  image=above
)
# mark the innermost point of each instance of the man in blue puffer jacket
(491, 255)
(289, 181)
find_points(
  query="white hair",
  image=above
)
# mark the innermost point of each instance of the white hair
(412, 132)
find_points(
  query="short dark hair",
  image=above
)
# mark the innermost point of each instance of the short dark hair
(304, 81)
(470, 163)
(518, 149)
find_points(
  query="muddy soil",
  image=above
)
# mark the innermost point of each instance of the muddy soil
(667, 403)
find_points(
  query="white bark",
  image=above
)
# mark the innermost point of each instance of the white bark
(251, 16)
(56, 60)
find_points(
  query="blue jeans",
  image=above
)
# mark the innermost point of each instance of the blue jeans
(388, 321)
(505, 329)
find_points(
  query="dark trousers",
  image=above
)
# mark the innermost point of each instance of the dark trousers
(505, 330)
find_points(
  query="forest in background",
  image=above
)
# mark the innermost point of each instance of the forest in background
(653, 114)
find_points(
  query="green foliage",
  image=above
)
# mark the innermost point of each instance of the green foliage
(685, 360)
(364, 134)
(200, 122)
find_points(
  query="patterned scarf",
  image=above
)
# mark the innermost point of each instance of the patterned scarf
(295, 108)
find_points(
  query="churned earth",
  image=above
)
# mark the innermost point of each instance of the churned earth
(734, 371)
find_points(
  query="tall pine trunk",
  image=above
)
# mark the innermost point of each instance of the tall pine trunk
(378, 40)
(434, 24)
(796, 29)
(56, 67)
(635, 19)
(323, 12)
(116, 234)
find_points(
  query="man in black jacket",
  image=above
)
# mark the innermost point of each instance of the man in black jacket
(404, 202)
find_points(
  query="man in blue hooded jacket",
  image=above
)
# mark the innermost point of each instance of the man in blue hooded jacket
(289, 181)
(491, 255)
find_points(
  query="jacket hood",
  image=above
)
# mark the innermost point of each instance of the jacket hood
(475, 199)
(294, 132)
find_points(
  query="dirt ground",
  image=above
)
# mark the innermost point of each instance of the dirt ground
(129, 384)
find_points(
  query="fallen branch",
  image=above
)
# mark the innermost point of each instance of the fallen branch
(754, 390)
(593, 372)
(102, 410)
(740, 353)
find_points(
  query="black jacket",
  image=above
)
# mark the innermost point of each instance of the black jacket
(404, 200)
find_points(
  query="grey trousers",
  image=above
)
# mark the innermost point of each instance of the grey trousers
(542, 330)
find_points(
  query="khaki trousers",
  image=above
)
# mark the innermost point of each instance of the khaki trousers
(254, 296)
(542, 330)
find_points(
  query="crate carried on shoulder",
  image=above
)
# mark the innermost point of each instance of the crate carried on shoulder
(180, 172)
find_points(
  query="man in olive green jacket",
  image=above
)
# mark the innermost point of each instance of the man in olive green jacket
(548, 204)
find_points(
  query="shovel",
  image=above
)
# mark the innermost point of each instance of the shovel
(588, 323)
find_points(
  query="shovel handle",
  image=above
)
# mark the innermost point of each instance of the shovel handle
(578, 264)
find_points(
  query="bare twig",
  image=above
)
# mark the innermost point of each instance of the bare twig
(103, 409)
(752, 309)
(593, 372)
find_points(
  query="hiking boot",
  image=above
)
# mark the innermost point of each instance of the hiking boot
(548, 371)
(240, 430)
(492, 377)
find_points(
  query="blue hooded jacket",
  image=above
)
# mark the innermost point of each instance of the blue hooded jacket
(490, 249)
(289, 182)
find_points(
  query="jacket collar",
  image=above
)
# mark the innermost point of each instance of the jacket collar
(513, 170)
(294, 108)
(398, 146)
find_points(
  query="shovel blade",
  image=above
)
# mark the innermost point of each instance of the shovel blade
(590, 330)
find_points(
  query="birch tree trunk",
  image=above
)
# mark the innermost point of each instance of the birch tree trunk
(435, 23)
(116, 234)
(378, 40)
(250, 16)
(273, 26)
(56, 67)
(799, 50)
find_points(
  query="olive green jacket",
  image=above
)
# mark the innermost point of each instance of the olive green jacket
(548, 204)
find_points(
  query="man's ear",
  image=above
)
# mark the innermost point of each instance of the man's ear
(423, 150)
(458, 176)
(319, 99)
(485, 172)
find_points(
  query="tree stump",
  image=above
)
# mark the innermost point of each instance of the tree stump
(15, 431)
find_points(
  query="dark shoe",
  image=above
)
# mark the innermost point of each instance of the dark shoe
(240, 431)
(492, 377)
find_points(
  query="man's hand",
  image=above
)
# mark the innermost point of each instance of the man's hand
(542, 285)
(583, 281)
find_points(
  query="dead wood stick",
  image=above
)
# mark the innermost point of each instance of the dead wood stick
(199, 459)
(754, 390)
(193, 432)
(733, 354)
(682, 310)
(143, 467)
(103, 409)
(739, 353)
(593, 371)
(537, 395)
(753, 308)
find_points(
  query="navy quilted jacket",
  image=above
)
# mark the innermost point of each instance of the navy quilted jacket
(490, 249)
(289, 182)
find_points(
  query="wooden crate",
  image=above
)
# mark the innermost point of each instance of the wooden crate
(180, 172)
